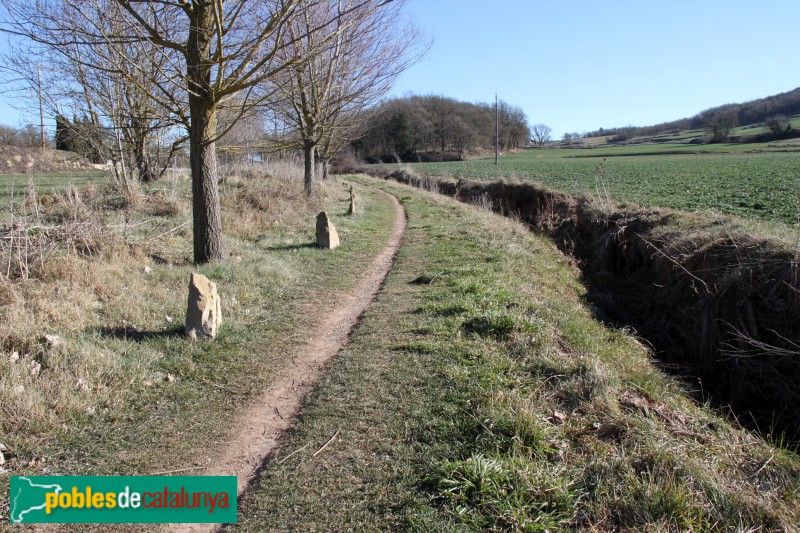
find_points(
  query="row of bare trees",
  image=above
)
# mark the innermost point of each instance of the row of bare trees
(420, 127)
(164, 73)
(28, 136)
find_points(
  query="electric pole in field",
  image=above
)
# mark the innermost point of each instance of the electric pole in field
(496, 129)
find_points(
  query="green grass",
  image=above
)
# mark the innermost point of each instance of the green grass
(51, 183)
(479, 394)
(759, 185)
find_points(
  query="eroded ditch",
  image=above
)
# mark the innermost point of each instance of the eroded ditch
(719, 306)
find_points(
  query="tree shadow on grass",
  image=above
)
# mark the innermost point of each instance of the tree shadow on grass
(291, 247)
(132, 334)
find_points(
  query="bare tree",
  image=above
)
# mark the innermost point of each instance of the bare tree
(721, 123)
(778, 124)
(514, 128)
(210, 51)
(61, 79)
(541, 133)
(8, 136)
(338, 136)
(342, 70)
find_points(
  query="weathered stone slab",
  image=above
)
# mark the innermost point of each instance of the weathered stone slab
(204, 313)
(326, 232)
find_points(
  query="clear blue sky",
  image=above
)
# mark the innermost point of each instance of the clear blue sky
(584, 64)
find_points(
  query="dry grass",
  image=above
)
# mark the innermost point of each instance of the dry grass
(105, 275)
(276, 203)
(66, 257)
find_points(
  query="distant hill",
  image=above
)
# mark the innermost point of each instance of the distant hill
(754, 112)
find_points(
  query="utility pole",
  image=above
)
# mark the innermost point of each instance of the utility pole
(496, 129)
(41, 105)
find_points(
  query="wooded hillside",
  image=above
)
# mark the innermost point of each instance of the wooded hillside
(433, 127)
(753, 112)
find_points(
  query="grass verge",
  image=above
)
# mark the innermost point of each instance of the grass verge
(480, 394)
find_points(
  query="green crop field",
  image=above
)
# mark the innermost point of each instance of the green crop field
(732, 179)
(47, 183)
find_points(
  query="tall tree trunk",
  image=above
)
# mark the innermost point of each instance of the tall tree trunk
(146, 174)
(324, 169)
(207, 218)
(308, 159)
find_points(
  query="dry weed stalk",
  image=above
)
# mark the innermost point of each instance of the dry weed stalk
(483, 202)
(23, 241)
(30, 238)
(601, 189)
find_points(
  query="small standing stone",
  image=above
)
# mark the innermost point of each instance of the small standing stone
(352, 209)
(204, 314)
(326, 232)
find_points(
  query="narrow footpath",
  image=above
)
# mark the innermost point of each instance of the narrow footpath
(258, 430)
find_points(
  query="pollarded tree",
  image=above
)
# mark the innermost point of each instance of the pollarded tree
(340, 71)
(211, 51)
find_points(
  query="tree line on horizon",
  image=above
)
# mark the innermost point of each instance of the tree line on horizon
(435, 127)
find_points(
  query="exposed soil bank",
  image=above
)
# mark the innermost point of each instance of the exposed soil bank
(718, 304)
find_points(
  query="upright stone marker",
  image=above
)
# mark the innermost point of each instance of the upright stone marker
(204, 314)
(326, 233)
(352, 209)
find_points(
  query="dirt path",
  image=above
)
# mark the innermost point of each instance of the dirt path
(259, 429)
